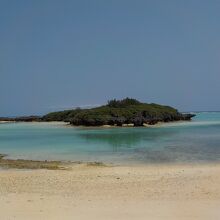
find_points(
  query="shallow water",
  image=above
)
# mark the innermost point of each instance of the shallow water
(197, 141)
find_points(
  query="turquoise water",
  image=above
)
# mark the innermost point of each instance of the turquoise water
(190, 142)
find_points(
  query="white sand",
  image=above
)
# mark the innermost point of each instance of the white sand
(89, 192)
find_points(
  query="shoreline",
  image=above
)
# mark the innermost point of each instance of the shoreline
(158, 124)
(7, 162)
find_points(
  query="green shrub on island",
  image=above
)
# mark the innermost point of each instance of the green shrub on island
(119, 112)
(122, 103)
(61, 115)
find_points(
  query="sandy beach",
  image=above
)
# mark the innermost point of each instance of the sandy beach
(112, 192)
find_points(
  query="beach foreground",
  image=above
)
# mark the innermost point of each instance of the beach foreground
(153, 192)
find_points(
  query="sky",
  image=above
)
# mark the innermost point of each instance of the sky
(60, 54)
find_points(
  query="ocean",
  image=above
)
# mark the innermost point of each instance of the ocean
(197, 141)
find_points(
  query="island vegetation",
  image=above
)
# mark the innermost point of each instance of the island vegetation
(127, 111)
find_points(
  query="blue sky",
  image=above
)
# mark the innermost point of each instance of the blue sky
(60, 54)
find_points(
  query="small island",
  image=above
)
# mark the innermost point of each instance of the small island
(127, 111)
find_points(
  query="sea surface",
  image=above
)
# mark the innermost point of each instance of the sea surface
(197, 141)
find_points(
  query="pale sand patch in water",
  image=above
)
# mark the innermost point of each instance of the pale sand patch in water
(159, 192)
